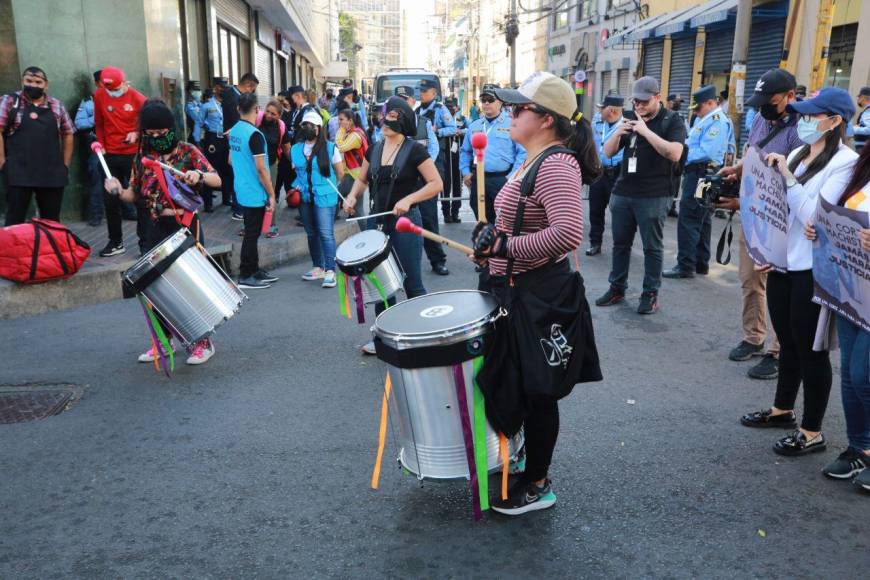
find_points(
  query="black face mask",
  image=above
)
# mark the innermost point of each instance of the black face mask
(769, 112)
(395, 126)
(33, 93)
(676, 106)
(306, 134)
(163, 144)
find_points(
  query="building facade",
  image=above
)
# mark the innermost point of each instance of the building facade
(162, 44)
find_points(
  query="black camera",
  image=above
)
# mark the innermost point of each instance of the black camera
(712, 188)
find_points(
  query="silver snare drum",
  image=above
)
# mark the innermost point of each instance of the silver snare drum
(368, 253)
(422, 339)
(186, 287)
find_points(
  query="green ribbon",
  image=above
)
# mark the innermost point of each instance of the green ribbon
(378, 286)
(342, 295)
(480, 438)
(164, 341)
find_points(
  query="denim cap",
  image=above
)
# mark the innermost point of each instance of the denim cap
(831, 100)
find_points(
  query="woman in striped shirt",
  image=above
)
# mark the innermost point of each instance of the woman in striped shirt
(547, 344)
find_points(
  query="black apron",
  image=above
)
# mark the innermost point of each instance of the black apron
(33, 157)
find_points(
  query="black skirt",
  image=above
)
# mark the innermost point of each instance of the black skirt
(542, 348)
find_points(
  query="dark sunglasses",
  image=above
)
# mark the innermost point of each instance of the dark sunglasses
(487, 99)
(527, 107)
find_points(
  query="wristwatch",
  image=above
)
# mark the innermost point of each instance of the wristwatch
(790, 181)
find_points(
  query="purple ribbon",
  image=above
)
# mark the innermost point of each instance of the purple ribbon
(155, 341)
(459, 381)
(358, 297)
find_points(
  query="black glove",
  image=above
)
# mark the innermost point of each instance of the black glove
(489, 242)
(476, 232)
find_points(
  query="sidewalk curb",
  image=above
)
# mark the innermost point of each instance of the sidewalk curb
(99, 285)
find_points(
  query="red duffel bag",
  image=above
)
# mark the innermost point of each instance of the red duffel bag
(39, 251)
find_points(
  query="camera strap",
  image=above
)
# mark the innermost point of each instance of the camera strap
(725, 241)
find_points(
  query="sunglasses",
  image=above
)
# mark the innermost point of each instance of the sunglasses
(528, 107)
(487, 99)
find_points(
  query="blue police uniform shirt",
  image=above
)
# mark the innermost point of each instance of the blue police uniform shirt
(732, 138)
(708, 139)
(431, 138)
(603, 131)
(862, 129)
(84, 120)
(501, 154)
(246, 179)
(193, 109)
(212, 116)
(445, 125)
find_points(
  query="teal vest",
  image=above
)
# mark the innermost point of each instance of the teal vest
(324, 194)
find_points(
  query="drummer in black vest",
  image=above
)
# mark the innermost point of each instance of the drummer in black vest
(546, 345)
(400, 175)
(160, 142)
(36, 144)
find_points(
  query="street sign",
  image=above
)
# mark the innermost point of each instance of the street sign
(579, 76)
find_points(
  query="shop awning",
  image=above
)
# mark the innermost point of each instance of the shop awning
(643, 24)
(712, 11)
(647, 30)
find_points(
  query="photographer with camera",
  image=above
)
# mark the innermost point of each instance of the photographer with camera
(651, 143)
(707, 144)
(774, 130)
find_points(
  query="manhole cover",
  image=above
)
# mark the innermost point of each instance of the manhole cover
(20, 403)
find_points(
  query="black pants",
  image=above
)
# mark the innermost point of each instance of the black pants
(492, 184)
(48, 200)
(794, 317)
(541, 429)
(250, 258)
(599, 197)
(285, 176)
(452, 187)
(120, 167)
(429, 215)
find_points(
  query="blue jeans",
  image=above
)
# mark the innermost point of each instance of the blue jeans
(855, 375)
(319, 225)
(694, 228)
(638, 214)
(409, 251)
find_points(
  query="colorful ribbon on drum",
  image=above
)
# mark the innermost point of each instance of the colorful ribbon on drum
(345, 289)
(159, 341)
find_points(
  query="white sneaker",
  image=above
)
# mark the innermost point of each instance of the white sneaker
(369, 348)
(329, 279)
(313, 274)
(151, 354)
(203, 351)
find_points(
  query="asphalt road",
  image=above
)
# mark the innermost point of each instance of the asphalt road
(257, 464)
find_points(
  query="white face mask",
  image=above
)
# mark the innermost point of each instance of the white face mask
(117, 93)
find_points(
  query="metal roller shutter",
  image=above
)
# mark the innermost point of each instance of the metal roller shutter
(233, 13)
(606, 81)
(623, 81)
(264, 74)
(765, 49)
(682, 61)
(652, 58)
(718, 51)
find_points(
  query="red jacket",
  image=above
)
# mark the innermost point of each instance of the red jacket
(115, 117)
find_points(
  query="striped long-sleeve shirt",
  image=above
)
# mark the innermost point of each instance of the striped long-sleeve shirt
(553, 221)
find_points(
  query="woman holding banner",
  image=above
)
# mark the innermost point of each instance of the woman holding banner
(854, 349)
(822, 167)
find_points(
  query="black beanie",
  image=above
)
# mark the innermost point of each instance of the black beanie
(406, 115)
(156, 115)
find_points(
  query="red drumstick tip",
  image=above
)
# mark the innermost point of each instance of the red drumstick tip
(478, 141)
(406, 226)
(149, 162)
(96, 147)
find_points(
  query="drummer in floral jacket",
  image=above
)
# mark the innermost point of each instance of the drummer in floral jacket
(160, 142)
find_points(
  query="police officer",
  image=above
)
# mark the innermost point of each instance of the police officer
(503, 156)
(193, 109)
(214, 143)
(599, 192)
(862, 129)
(707, 145)
(427, 135)
(445, 127)
(453, 187)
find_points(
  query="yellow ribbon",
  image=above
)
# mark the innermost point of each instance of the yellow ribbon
(382, 434)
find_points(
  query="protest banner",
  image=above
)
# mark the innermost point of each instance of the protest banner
(841, 267)
(764, 211)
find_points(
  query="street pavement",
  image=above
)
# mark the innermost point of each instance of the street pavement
(257, 464)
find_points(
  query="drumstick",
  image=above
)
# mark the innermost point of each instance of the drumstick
(97, 148)
(151, 162)
(338, 192)
(478, 142)
(406, 226)
(365, 217)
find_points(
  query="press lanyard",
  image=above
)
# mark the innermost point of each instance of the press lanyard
(632, 161)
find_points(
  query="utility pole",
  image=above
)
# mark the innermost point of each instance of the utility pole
(737, 85)
(820, 47)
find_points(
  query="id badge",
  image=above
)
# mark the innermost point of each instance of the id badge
(632, 164)
(701, 188)
(454, 147)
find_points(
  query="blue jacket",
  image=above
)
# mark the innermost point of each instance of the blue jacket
(193, 109)
(212, 116)
(85, 115)
(501, 153)
(249, 191)
(324, 193)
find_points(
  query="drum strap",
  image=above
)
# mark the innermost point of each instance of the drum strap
(382, 201)
(160, 268)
